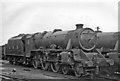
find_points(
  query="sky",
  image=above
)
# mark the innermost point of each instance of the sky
(31, 16)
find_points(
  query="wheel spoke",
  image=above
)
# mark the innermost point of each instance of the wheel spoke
(55, 67)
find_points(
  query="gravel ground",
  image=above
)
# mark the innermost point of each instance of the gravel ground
(20, 73)
(29, 73)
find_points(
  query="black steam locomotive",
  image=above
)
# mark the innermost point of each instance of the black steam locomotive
(60, 51)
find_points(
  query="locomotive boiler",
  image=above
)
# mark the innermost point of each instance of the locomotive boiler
(83, 38)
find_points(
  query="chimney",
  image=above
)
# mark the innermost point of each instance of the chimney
(78, 26)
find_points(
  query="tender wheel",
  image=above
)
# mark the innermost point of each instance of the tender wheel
(78, 70)
(35, 62)
(10, 61)
(25, 62)
(65, 69)
(14, 61)
(44, 64)
(55, 67)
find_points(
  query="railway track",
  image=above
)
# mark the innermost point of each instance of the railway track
(66, 77)
(11, 78)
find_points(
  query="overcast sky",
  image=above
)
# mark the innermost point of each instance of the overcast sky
(38, 16)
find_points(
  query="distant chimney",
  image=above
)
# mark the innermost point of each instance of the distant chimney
(98, 28)
(78, 26)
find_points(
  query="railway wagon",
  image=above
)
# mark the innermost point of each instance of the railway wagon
(57, 50)
(2, 51)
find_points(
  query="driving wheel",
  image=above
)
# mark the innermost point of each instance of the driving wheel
(78, 70)
(55, 67)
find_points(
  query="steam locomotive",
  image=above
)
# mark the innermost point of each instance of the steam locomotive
(60, 51)
(109, 45)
